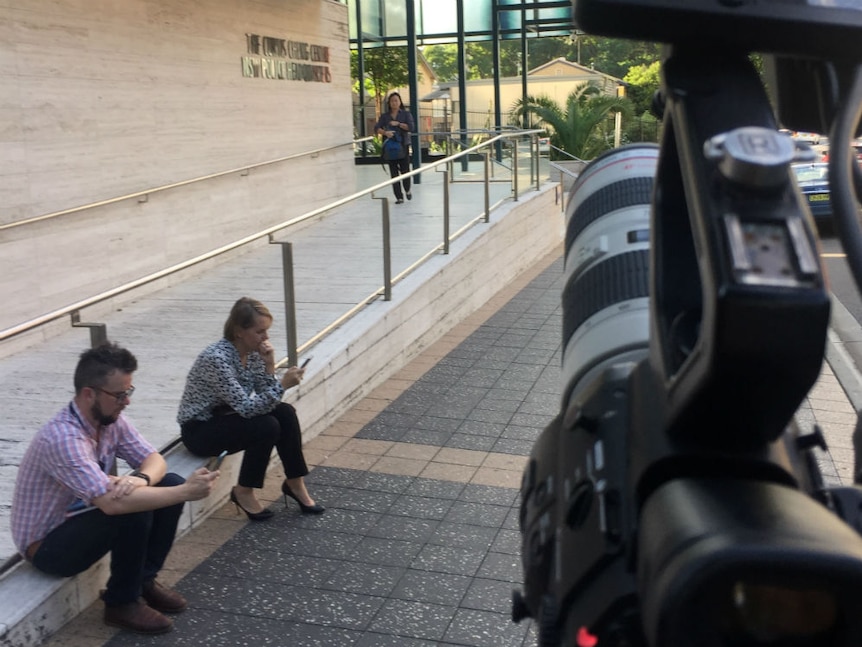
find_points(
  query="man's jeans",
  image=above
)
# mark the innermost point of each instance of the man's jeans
(139, 543)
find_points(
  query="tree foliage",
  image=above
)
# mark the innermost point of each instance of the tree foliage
(479, 60)
(643, 82)
(578, 127)
(615, 56)
(443, 59)
(385, 68)
(611, 56)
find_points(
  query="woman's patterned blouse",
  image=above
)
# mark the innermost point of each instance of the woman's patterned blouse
(218, 380)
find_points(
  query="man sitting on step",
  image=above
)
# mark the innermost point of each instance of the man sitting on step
(69, 509)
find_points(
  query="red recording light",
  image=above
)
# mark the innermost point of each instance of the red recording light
(585, 638)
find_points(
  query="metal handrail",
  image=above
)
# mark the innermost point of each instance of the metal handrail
(166, 187)
(567, 154)
(379, 292)
(76, 307)
(562, 170)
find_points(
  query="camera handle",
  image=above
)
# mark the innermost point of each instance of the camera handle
(734, 260)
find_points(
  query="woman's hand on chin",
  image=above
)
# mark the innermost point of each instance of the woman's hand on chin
(267, 353)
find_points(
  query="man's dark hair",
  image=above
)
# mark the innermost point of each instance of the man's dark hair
(96, 364)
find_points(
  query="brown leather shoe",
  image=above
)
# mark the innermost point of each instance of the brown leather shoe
(163, 599)
(138, 617)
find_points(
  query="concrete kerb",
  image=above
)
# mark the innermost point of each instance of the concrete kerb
(844, 352)
(348, 365)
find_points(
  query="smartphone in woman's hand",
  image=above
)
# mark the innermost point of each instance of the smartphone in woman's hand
(215, 461)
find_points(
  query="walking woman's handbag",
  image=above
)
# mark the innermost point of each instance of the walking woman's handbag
(393, 149)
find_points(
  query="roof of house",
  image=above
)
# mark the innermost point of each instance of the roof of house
(575, 69)
(572, 69)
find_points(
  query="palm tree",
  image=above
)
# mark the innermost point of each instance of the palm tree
(577, 129)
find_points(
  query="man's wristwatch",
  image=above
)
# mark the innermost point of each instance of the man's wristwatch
(141, 475)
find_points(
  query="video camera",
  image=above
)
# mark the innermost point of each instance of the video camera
(673, 501)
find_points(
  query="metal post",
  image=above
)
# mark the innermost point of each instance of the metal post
(495, 59)
(538, 159)
(98, 331)
(445, 212)
(514, 168)
(413, 85)
(361, 71)
(289, 301)
(450, 165)
(387, 253)
(462, 81)
(525, 122)
(487, 155)
(533, 148)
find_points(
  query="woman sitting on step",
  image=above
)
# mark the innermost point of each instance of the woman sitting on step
(232, 402)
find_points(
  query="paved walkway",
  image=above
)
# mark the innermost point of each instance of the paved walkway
(419, 545)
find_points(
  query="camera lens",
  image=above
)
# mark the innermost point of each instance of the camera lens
(606, 293)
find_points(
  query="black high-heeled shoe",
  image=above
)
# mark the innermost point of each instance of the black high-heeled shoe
(263, 515)
(306, 509)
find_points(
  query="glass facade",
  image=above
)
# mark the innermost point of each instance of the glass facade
(414, 23)
(385, 21)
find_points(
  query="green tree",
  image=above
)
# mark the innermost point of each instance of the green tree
(643, 82)
(479, 60)
(615, 56)
(578, 127)
(608, 55)
(545, 49)
(385, 68)
(443, 59)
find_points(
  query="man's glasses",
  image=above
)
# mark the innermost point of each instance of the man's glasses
(119, 396)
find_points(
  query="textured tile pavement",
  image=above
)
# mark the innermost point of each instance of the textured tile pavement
(419, 545)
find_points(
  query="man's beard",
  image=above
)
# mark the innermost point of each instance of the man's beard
(101, 417)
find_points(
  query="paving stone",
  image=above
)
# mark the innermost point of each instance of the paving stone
(436, 489)
(366, 501)
(421, 507)
(361, 577)
(484, 629)
(414, 619)
(471, 441)
(387, 552)
(478, 514)
(462, 535)
(438, 588)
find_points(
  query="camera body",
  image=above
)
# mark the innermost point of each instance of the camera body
(672, 502)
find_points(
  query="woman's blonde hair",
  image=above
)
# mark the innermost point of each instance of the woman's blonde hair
(243, 314)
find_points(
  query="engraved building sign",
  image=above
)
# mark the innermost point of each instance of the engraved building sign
(289, 60)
